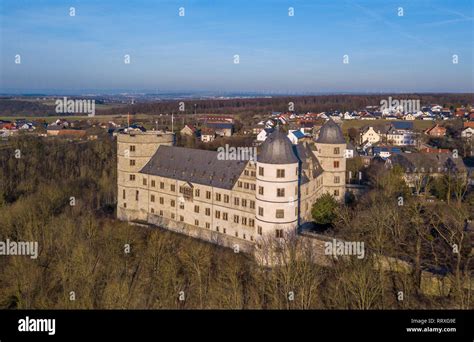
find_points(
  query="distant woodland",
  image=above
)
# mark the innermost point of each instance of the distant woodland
(320, 103)
(82, 246)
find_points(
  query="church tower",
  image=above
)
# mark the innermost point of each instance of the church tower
(330, 150)
(277, 187)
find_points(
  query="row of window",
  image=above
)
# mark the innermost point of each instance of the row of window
(280, 173)
(246, 185)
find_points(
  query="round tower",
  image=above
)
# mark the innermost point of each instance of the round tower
(277, 186)
(330, 151)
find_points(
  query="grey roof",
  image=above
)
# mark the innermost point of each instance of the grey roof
(277, 149)
(195, 166)
(331, 133)
(428, 162)
(309, 163)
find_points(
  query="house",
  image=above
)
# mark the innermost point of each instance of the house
(436, 131)
(350, 151)
(208, 134)
(385, 151)
(419, 167)
(222, 129)
(468, 124)
(409, 117)
(370, 135)
(295, 136)
(262, 136)
(189, 130)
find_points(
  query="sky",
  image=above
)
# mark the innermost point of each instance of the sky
(278, 53)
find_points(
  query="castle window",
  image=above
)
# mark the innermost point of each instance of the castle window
(336, 193)
(252, 186)
(198, 193)
(217, 229)
(260, 211)
(236, 218)
(224, 231)
(208, 225)
(132, 148)
(280, 213)
(218, 214)
(236, 201)
(162, 185)
(244, 237)
(196, 222)
(123, 193)
(260, 190)
(280, 173)
(226, 198)
(161, 212)
(125, 205)
(259, 230)
(246, 172)
(252, 204)
(172, 216)
(181, 205)
(132, 177)
(132, 162)
(244, 221)
(281, 192)
(279, 233)
(337, 179)
(144, 181)
(153, 183)
(181, 218)
(251, 237)
(172, 187)
(253, 174)
(260, 171)
(336, 150)
(208, 195)
(218, 197)
(246, 185)
(173, 203)
(239, 184)
(208, 211)
(196, 209)
(162, 200)
(136, 195)
(336, 164)
(152, 198)
(236, 234)
(225, 217)
(251, 222)
(244, 203)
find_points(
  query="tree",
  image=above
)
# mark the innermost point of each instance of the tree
(324, 209)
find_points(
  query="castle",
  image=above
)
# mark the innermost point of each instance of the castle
(228, 202)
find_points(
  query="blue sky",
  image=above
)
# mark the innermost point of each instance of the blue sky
(278, 53)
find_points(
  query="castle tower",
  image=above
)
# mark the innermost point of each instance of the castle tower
(134, 150)
(330, 150)
(277, 186)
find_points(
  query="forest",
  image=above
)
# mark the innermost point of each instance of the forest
(245, 106)
(62, 194)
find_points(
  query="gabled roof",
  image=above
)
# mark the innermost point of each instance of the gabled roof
(195, 166)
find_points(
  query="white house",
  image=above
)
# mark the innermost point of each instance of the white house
(264, 133)
(370, 135)
(295, 136)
